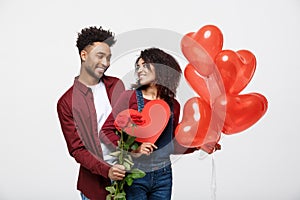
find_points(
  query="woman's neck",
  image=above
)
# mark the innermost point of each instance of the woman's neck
(150, 93)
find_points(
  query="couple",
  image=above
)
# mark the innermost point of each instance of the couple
(86, 112)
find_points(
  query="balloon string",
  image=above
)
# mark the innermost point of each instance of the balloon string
(213, 179)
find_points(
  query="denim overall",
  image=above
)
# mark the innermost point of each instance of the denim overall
(157, 184)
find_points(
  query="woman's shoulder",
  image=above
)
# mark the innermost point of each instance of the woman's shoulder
(176, 104)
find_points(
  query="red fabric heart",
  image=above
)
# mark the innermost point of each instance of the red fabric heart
(155, 114)
(236, 69)
(201, 48)
(242, 111)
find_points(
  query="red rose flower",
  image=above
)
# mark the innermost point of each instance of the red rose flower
(125, 120)
(137, 119)
(121, 122)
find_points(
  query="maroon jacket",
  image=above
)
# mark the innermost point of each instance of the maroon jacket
(77, 115)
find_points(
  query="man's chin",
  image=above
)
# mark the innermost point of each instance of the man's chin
(99, 75)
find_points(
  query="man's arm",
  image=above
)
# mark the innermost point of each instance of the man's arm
(77, 149)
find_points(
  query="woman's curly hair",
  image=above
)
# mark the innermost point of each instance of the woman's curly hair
(167, 72)
(92, 34)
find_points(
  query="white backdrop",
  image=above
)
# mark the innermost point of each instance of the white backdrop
(39, 61)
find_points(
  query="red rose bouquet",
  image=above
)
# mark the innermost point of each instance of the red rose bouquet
(126, 144)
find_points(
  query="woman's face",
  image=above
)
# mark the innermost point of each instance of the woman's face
(145, 72)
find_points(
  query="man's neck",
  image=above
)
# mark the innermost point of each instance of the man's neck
(88, 80)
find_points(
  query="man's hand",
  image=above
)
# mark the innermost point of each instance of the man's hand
(116, 172)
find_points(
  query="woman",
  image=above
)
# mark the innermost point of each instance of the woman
(158, 76)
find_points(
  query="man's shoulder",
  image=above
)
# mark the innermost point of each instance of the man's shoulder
(67, 96)
(114, 86)
(128, 96)
(129, 92)
(112, 79)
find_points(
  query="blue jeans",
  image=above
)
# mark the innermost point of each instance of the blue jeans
(156, 185)
(83, 197)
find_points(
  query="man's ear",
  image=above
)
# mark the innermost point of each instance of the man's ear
(83, 55)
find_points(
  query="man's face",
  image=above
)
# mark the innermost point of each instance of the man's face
(96, 59)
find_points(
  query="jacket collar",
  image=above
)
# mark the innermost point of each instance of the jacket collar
(84, 89)
(107, 81)
(80, 86)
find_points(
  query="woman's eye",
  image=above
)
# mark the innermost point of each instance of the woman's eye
(146, 65)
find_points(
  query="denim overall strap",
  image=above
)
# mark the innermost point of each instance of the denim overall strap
(160, 158)
(166, 138)
(167, 135)
(140, 100)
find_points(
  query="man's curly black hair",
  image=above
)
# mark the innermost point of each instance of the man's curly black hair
(92, 34)
(167, 72)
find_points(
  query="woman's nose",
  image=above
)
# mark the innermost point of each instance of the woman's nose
(140, 69)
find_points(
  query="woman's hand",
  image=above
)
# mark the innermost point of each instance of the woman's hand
(210, 147)
(145, 148)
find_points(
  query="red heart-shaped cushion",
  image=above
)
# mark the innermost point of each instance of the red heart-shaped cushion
(242, 111)
(236, 69)
(156, 114)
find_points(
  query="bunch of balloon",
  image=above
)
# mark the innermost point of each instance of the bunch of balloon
(217, 76)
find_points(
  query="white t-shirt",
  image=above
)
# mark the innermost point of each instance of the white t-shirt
(103, 109)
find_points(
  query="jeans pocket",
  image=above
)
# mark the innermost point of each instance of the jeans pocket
(167, 170)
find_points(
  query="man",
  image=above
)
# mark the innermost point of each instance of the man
(83, 109)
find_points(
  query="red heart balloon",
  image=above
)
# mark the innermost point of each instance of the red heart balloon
(156, 114)
(208, 88)
(242, 111)
(197, 82)
(236, 69)
(210, 38)
(245, 72)
(192, 131)
(201, 48)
